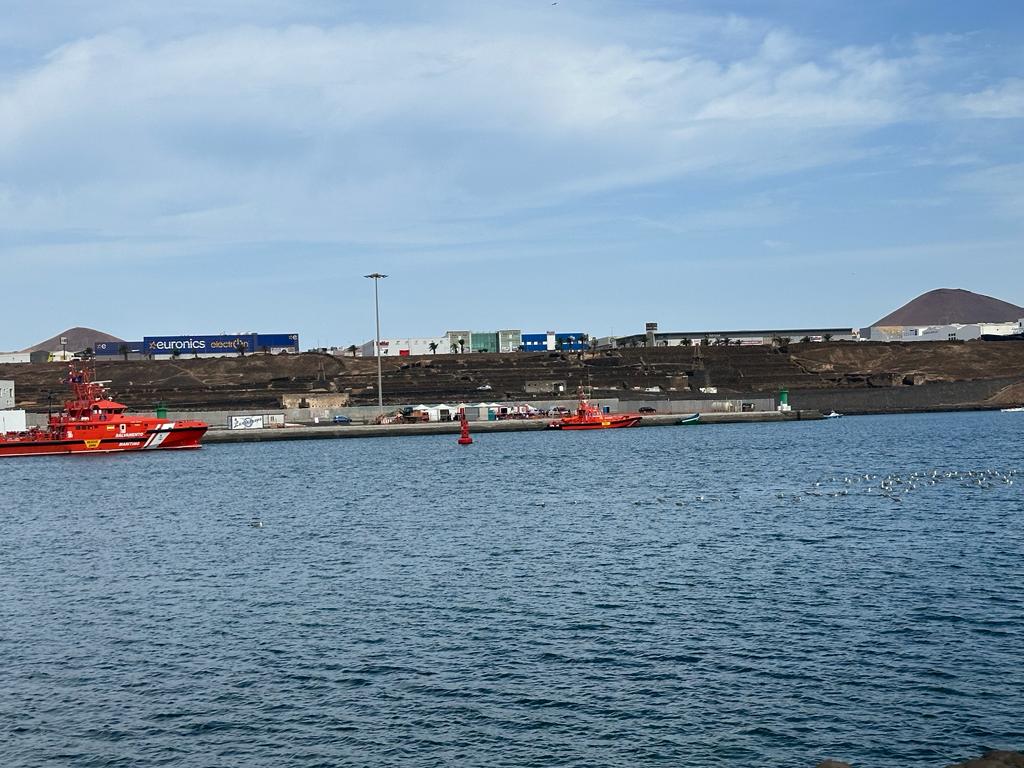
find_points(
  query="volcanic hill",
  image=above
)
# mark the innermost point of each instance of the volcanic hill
(78, 339)
(945, 306)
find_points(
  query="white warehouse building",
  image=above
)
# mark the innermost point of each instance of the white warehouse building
(405, 347)
(951, 332)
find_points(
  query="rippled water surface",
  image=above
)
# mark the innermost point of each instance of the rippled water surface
(701, 596)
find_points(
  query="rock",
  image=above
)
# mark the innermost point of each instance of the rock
(994, 759)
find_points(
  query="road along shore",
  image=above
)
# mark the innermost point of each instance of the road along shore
(324, 432)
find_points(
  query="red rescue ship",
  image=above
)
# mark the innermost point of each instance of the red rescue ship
(589, 416)
(90, 423)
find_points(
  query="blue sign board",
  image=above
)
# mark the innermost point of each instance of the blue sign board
(219, 345)
(288, 341)
(103, 348)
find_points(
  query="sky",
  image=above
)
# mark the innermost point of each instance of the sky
(198, 167)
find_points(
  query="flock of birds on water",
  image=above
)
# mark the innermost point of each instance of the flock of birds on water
(893, 486)
(896, 487)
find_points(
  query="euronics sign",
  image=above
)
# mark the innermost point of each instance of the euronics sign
(220, 345)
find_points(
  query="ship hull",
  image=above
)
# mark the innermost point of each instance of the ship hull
(606, 423)
(164, 437)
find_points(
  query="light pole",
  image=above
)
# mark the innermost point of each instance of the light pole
(377, 277)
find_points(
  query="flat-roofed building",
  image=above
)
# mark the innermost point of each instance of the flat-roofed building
(950, 332)
(406, 347)
(739, 337)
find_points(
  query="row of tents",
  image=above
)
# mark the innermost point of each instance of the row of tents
(477, 412)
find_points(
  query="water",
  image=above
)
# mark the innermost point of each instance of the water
(626, 598)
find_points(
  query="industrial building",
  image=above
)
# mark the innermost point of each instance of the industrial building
(405, 347)
(453, 342)
(950, 332)
(652, 337)
(219, 346)
(553, 340)
(508, 340)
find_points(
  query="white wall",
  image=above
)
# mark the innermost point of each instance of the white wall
(6, 394)
(418, 346)
(12, 421)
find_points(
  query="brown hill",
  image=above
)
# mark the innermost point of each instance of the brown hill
(78, 339)
(944, 306)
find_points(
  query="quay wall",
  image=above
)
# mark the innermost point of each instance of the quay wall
(936, 396)
(331, 431)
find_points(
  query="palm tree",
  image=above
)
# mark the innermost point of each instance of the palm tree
(352, 349)
(685, 342)
(462, 346)
(123, 351)
(805, 340)
(175, 353)
(455, 348)
(827, 337)
(240, 348)
(433, 347)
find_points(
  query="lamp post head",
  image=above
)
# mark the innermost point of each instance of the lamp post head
(375, 276)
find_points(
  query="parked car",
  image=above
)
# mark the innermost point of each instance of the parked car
(559, 410)
(341, 419)
(647, 409)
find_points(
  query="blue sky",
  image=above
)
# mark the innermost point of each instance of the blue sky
(199, 167)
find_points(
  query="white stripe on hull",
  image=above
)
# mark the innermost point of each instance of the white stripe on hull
(159, 435)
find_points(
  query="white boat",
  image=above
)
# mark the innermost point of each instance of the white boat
(1018, 409)
(833, 415)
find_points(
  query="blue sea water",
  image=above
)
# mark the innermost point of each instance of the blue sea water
(701, 596)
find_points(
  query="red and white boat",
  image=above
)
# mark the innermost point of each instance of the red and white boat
(90, 423)
(589, 416)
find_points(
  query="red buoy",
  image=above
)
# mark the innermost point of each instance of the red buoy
(464, 438)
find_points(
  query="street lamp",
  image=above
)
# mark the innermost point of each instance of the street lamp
(377, 277)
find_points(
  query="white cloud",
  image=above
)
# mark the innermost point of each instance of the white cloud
(1005, 100)
(1000, 188)
(398, 133)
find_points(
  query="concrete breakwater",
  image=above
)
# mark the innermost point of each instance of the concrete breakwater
(329, 431)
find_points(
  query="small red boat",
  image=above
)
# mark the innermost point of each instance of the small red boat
(589, 416)
(90, 423)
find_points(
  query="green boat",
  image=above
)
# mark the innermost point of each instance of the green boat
(693, 418)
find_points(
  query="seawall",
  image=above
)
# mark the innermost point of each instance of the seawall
(331, 431)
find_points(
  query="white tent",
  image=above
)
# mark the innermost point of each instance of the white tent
(437, 412)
